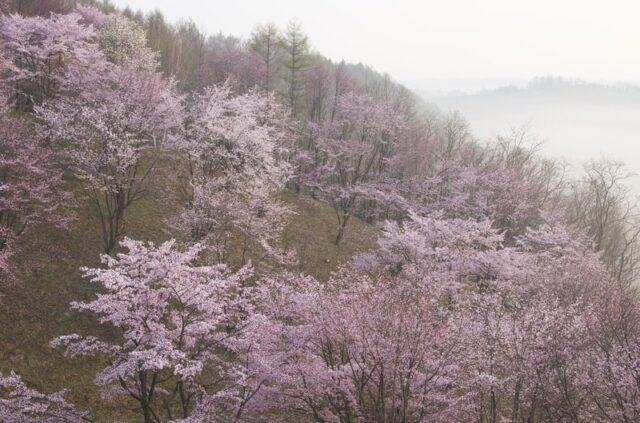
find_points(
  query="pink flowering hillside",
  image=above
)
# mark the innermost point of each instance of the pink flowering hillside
(212, 229)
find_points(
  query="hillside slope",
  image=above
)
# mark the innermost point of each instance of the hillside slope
(36, 309)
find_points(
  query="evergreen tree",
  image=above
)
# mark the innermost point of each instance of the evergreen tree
(296, 62)
(264, 43)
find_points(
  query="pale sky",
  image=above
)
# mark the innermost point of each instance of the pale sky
(416, 40)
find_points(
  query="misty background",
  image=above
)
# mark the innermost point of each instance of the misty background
(576, 121)
(490, 60)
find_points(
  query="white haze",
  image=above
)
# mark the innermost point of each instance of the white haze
(576, 121)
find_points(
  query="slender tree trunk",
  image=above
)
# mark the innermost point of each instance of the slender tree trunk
(144, 400)
(342, 226)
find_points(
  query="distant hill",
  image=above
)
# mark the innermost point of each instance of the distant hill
(578, 120)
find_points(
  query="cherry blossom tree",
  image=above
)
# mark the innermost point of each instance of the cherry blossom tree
(5, 87)
(107, 130)
(536, 329)
(485, 190)
(358, 349)
(178, 323)
(609, 371)
(236, 171)
(44, 54)
(383, 340)
(93, 16)
(450, 248)
(351, 152)
(522, 311)
(124, 42)
(31, 185)
(21, 404)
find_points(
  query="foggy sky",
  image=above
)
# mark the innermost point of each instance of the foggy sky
(420, 42)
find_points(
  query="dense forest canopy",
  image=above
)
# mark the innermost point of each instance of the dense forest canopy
(205, 228)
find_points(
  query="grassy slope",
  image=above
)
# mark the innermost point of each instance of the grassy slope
(35, 310)
(312, 233)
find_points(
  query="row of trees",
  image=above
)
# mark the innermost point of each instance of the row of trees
(485, 300)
